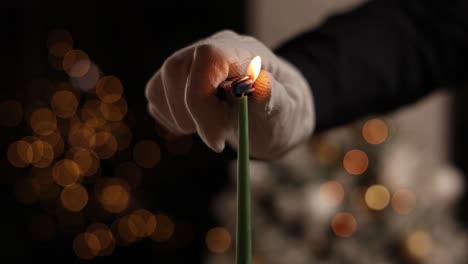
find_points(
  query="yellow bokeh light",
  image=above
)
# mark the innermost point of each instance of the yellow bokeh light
(43, 121)
(404, 201)
(114, 195)
(419, 244)
(64, 103)
(218, 240)
(66, 172)
(344, 224)
(146, 153)
(105, 237)
(109, 89)
(375, 131)
(164, 229)
(74, 197)
(377, 197)
(114, 111)
(86, 245)
(355, 162)
(331, 193)
(76, 63)
(11, 113)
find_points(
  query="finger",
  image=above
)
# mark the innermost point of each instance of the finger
(209, 69)
(175, 73)
(157, 104)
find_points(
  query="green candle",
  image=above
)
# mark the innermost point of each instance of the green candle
(244, 232)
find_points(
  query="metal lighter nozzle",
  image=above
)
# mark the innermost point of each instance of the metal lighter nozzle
(238, 86)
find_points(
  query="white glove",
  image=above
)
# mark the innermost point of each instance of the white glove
(182, 96)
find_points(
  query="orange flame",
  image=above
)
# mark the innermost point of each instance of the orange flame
(254, 68)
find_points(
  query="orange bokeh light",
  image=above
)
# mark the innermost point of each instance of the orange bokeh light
(164, 229)
(76, 63)
(86, 245)
(105, 237)
(74, 197)
(66, 172)
(115, 111)
(114, 195)
(355, 162)
(218, 240)
(109, 89)
(64, 103)
(344, 224)
(375, 131)
(104, 144)
(43, 121)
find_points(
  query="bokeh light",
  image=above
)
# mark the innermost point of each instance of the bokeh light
(218, 240)
(86, 245)
(20, 153)
(419, 244)
(145, 221)
(91, 114)
(164, 229)
(104, 144)
(76, 63)
(115, 111)
(126, 231)
(403, 201)
(81, 136)
(105, 237)
(86, 159)
(66, 172)
(74, 197)
(375, 131)
(64, 103)
(344, 224)
(355, 162)
(43, 154)
(146, 153)
(88, 81)
(109, 89)
(331, 193)
(114, 195)
(11, 113)
(121, 132)
(377, 197)
(43, 121)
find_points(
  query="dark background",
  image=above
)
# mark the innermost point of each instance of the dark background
(129, 40)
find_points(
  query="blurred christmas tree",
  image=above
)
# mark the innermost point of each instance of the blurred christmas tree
(358, 194)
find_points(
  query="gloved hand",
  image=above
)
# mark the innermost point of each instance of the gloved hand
(182, 96)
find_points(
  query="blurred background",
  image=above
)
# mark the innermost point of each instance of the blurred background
(87, 175)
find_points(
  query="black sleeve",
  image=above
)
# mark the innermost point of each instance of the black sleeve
(383, 55)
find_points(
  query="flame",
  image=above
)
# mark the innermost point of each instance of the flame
(254, 67)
